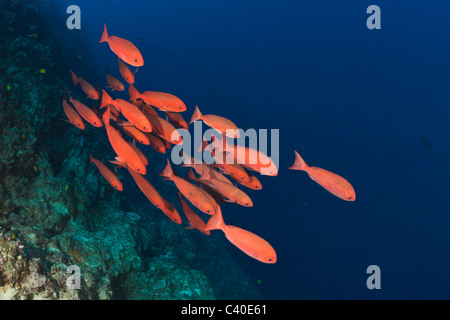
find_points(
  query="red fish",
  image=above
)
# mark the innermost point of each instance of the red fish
(193, 218)
(88, 114)
(227, 164)
(107, 174)
(249, 158)
(252, 183)
(208, 187)
(90, 91)
(171, 212)
(199, 168)
(129, 111)
(332, 182)
(123, 149)
(177, 119)
(140, 153)
(161, 100)
(251, 244)
(156, 143)
(146, 108)
(134, 133)
(148, 190)
(124, 49)
(165, 129)
(114, 83)
(194, 194)
(228, 190)
(221, 124)
(126, 73)
(72, 114)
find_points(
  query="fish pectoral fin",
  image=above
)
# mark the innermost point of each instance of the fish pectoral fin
(65, 120)
(126, 124)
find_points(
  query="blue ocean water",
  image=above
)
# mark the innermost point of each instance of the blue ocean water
(351, 100)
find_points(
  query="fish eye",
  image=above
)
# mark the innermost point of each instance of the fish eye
(145, 128)
(207, 211)
(115, 187)
(138, 170)
(349, 197)
(95, 122)
(246, 204)
(270, 259)
(157, 205)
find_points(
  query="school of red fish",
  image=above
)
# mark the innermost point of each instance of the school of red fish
(144, 125)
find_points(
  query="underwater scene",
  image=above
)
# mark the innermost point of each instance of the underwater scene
(224, 150)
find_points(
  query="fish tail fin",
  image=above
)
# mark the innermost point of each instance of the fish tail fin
(119, 162)
(206, 176)
(91, 158)
(106, 117)
(167, 172)
(70, 96)
(74, 78)
(216, 221)
(299, 163)
(135, 70)
(65, 120)
(105, 36)
(197, 115)
(190, 175)
(106, 99)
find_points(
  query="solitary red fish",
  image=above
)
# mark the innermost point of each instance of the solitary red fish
(124, 49)
(332, 182)
(251, 244)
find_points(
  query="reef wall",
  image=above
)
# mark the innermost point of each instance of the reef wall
(56, 210)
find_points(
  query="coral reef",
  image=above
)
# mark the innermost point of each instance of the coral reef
(57, 211)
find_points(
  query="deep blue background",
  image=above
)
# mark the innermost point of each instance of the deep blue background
(350, 100)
